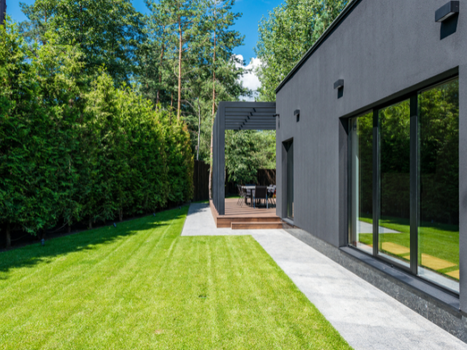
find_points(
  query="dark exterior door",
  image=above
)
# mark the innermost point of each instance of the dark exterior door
(290, 180)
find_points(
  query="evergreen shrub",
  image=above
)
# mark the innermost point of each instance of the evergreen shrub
(74, 148)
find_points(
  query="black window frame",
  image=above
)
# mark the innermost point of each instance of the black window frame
(413, 96)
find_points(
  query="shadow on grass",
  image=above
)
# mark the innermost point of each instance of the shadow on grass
(34, 254)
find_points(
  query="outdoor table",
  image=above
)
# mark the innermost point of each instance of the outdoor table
(252, 189)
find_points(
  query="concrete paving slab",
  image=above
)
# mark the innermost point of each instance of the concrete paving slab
(200, 222)
(364, 315)
(365, 227)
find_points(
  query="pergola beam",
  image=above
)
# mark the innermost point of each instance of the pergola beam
(235, 116)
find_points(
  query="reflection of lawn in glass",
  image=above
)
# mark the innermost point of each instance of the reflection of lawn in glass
(438, 240)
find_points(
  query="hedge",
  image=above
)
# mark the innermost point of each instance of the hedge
(76, 149)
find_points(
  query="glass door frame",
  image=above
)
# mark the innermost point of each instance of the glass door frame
(376, 167)
(289, 186)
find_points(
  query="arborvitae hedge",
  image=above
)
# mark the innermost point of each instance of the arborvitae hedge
(76, 149)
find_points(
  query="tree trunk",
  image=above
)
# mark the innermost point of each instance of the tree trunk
(80, 24)
(160, 76)
(90, 223)
(120, 215)
(180, 44)
(7, 236)
(199, 129)
(69, 228)
(213, 111)
(214, 77)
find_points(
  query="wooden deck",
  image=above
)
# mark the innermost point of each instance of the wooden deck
(245, 217)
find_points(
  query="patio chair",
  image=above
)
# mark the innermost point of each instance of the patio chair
(244, 194)
(273, 196)
(248, 194)
(261, 192)
(241, 194)
(271, 193)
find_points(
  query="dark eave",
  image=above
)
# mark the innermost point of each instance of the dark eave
(350, 6)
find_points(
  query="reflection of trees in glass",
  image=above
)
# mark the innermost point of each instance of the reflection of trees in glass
(395, 160)
(365, 155)
(439, 144)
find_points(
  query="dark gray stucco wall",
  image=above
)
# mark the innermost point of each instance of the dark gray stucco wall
(382, 49)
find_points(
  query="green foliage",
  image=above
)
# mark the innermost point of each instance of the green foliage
(208, 71)
(108, 32)
(364, 137)
(37, 135)
(285, 36)
(179, 158)
(439, 156)
(247, 151)
(240, 165)
(70, 151)
(266, 154)
(439, 153)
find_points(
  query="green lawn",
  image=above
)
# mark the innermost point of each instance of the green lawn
(438, 240)
(142, 286)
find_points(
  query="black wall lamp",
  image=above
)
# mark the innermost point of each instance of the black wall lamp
(447, 11)
(297, 114)
(278, 116)
(339, 84)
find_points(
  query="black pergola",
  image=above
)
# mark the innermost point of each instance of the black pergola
(235, 116)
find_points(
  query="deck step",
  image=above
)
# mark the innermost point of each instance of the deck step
(256, 225)
(227, 221)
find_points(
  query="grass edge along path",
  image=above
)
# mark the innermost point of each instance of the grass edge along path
(143, 286)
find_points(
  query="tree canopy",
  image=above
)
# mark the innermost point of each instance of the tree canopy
(287, 34)
(108, 32)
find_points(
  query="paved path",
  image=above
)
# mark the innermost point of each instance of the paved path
(365, 316)
(365, 227)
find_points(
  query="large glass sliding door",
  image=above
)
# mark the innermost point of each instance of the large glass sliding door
(361, 153)
(409, 213)
(438, 233)
(394, 157)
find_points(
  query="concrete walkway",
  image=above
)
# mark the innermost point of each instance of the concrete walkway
(365, 316)
(365, 227)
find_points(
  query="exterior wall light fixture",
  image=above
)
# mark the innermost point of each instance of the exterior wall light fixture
(447, 11)
(297, 114)
(339, 84)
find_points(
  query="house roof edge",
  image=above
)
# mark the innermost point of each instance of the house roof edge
(327, 33)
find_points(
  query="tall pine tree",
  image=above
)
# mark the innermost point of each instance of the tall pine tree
(108, 32)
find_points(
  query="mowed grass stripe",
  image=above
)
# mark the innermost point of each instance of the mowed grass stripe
(142, 286)
(65, 264)
(120, 286)
(66, 301)
(122, 290)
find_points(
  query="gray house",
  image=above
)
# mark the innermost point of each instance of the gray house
(372, 151)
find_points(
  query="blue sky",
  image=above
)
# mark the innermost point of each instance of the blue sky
(252, 11)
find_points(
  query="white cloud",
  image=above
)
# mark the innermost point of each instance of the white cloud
(250, 80)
